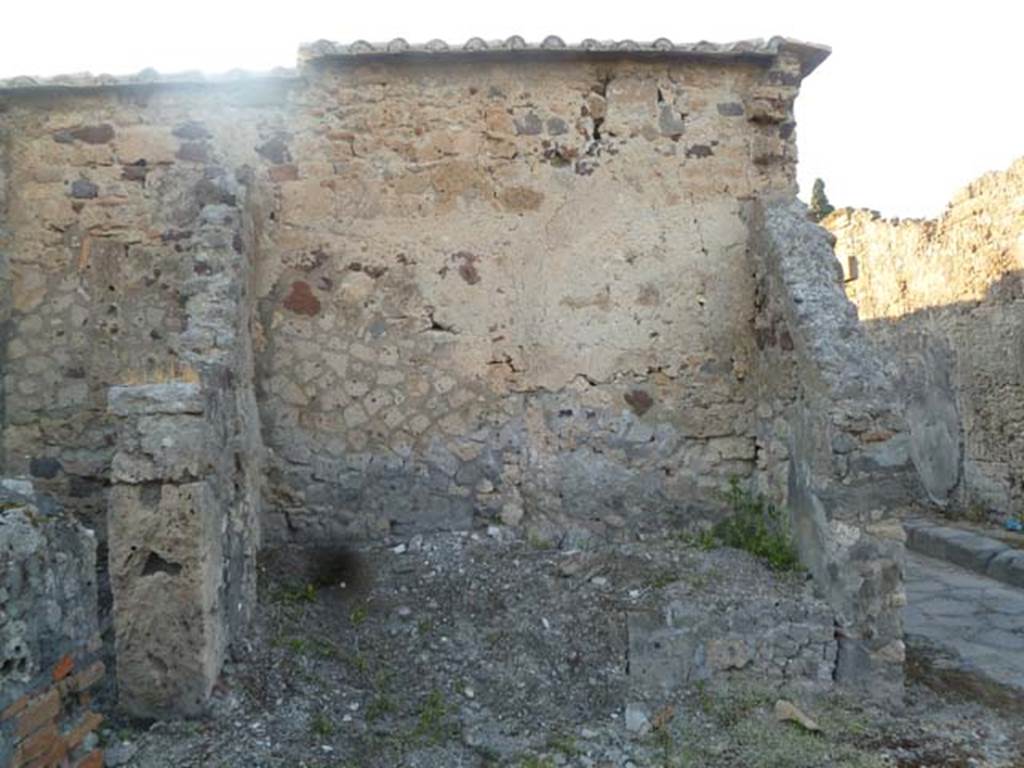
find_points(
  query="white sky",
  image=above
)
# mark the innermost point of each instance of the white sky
(917, 99)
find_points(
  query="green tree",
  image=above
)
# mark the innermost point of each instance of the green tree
(820, 206)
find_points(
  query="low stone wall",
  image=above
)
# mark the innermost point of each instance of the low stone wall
(49, 638)
(837, 451)
(945, 298)
(772, 637)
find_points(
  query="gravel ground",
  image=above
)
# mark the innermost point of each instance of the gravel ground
(486, 650)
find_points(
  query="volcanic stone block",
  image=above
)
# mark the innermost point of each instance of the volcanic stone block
(48, 620)
(165, 570)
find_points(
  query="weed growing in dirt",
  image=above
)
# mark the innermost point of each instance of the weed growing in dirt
(663, 578)
(431, 725)
(739, 728)
(295, 594)
(359, 615)
(359, 662)
(321, 726)
(325, 648)
(703, 539)
(564, 743)
(759, 527)
(379, 707)
(538, 541)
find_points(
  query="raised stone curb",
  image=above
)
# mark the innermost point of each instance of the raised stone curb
(988, 557)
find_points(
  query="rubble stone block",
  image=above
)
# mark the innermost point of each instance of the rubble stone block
(48, 605)
(166, 573)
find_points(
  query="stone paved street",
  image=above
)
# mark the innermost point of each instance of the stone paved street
(976, 618)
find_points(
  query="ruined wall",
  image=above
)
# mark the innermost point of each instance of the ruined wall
(130, 268)
(526, 288)
(5, 285)
(946, 298)
(834, 447)
(105, 188)
(484, 287)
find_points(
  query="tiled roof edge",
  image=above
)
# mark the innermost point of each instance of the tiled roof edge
(810, 55)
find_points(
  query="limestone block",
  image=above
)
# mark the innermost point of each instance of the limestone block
(164, 447)
(632, 103)
(170, 397)
(166, 570)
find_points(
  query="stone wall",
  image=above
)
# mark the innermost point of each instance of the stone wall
(556, 289)
(834, 447)
(129, 258)
(507, 286)
(49, 634)
(110, 185)
(498, 286)
(946, 298)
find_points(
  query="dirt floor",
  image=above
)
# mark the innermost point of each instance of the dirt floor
(486, 649)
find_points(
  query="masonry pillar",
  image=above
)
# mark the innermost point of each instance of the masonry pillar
(166, 557)
(184, 508)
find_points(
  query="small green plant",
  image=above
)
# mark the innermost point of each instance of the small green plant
(759, 527)
(382, 679)
(295, 594)
(537, 762)
(976, 513)
(663, 578)
(820, 206)
(430, 725)
(664, 742)
(325, 648)
(703, 539)
(730, 705)
(564, 743)
(706, 539)
(380, 706)
(321, 726)
(359, 615)
(704, 699)
(538, 540)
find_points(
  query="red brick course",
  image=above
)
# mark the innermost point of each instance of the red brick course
(50, 726)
